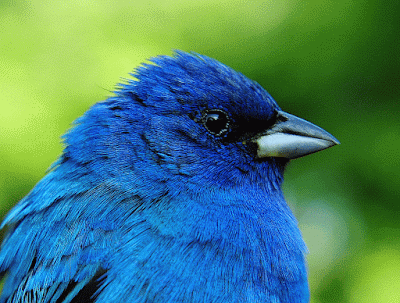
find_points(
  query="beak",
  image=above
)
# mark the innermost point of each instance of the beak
(292, 137)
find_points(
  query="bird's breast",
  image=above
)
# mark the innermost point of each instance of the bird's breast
(241, 248)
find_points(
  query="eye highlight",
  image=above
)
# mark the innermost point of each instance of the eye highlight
(216, 121)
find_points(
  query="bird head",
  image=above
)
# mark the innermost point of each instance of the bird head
(195, 120)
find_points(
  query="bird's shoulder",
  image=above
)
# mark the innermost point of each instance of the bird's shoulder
(57, 244)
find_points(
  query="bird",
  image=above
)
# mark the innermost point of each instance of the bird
(170, 190)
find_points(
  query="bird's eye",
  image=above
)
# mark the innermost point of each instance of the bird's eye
(216, 121)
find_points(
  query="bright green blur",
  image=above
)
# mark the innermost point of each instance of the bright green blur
(333, 63)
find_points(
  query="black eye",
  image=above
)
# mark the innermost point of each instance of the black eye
(216, 121)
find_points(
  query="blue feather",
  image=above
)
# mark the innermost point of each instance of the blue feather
(159, 196)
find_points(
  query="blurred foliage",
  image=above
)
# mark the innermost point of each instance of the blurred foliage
(335, 63)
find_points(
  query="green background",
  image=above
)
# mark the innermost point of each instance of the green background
(335, 63)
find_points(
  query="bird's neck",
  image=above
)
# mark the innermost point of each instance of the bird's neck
(243, 217)
(235, 237)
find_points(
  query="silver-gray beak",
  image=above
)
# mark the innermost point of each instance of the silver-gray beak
(292, 137)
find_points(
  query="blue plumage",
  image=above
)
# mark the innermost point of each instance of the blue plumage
(170, 191)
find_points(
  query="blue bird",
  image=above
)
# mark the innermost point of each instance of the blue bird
(169, 191)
